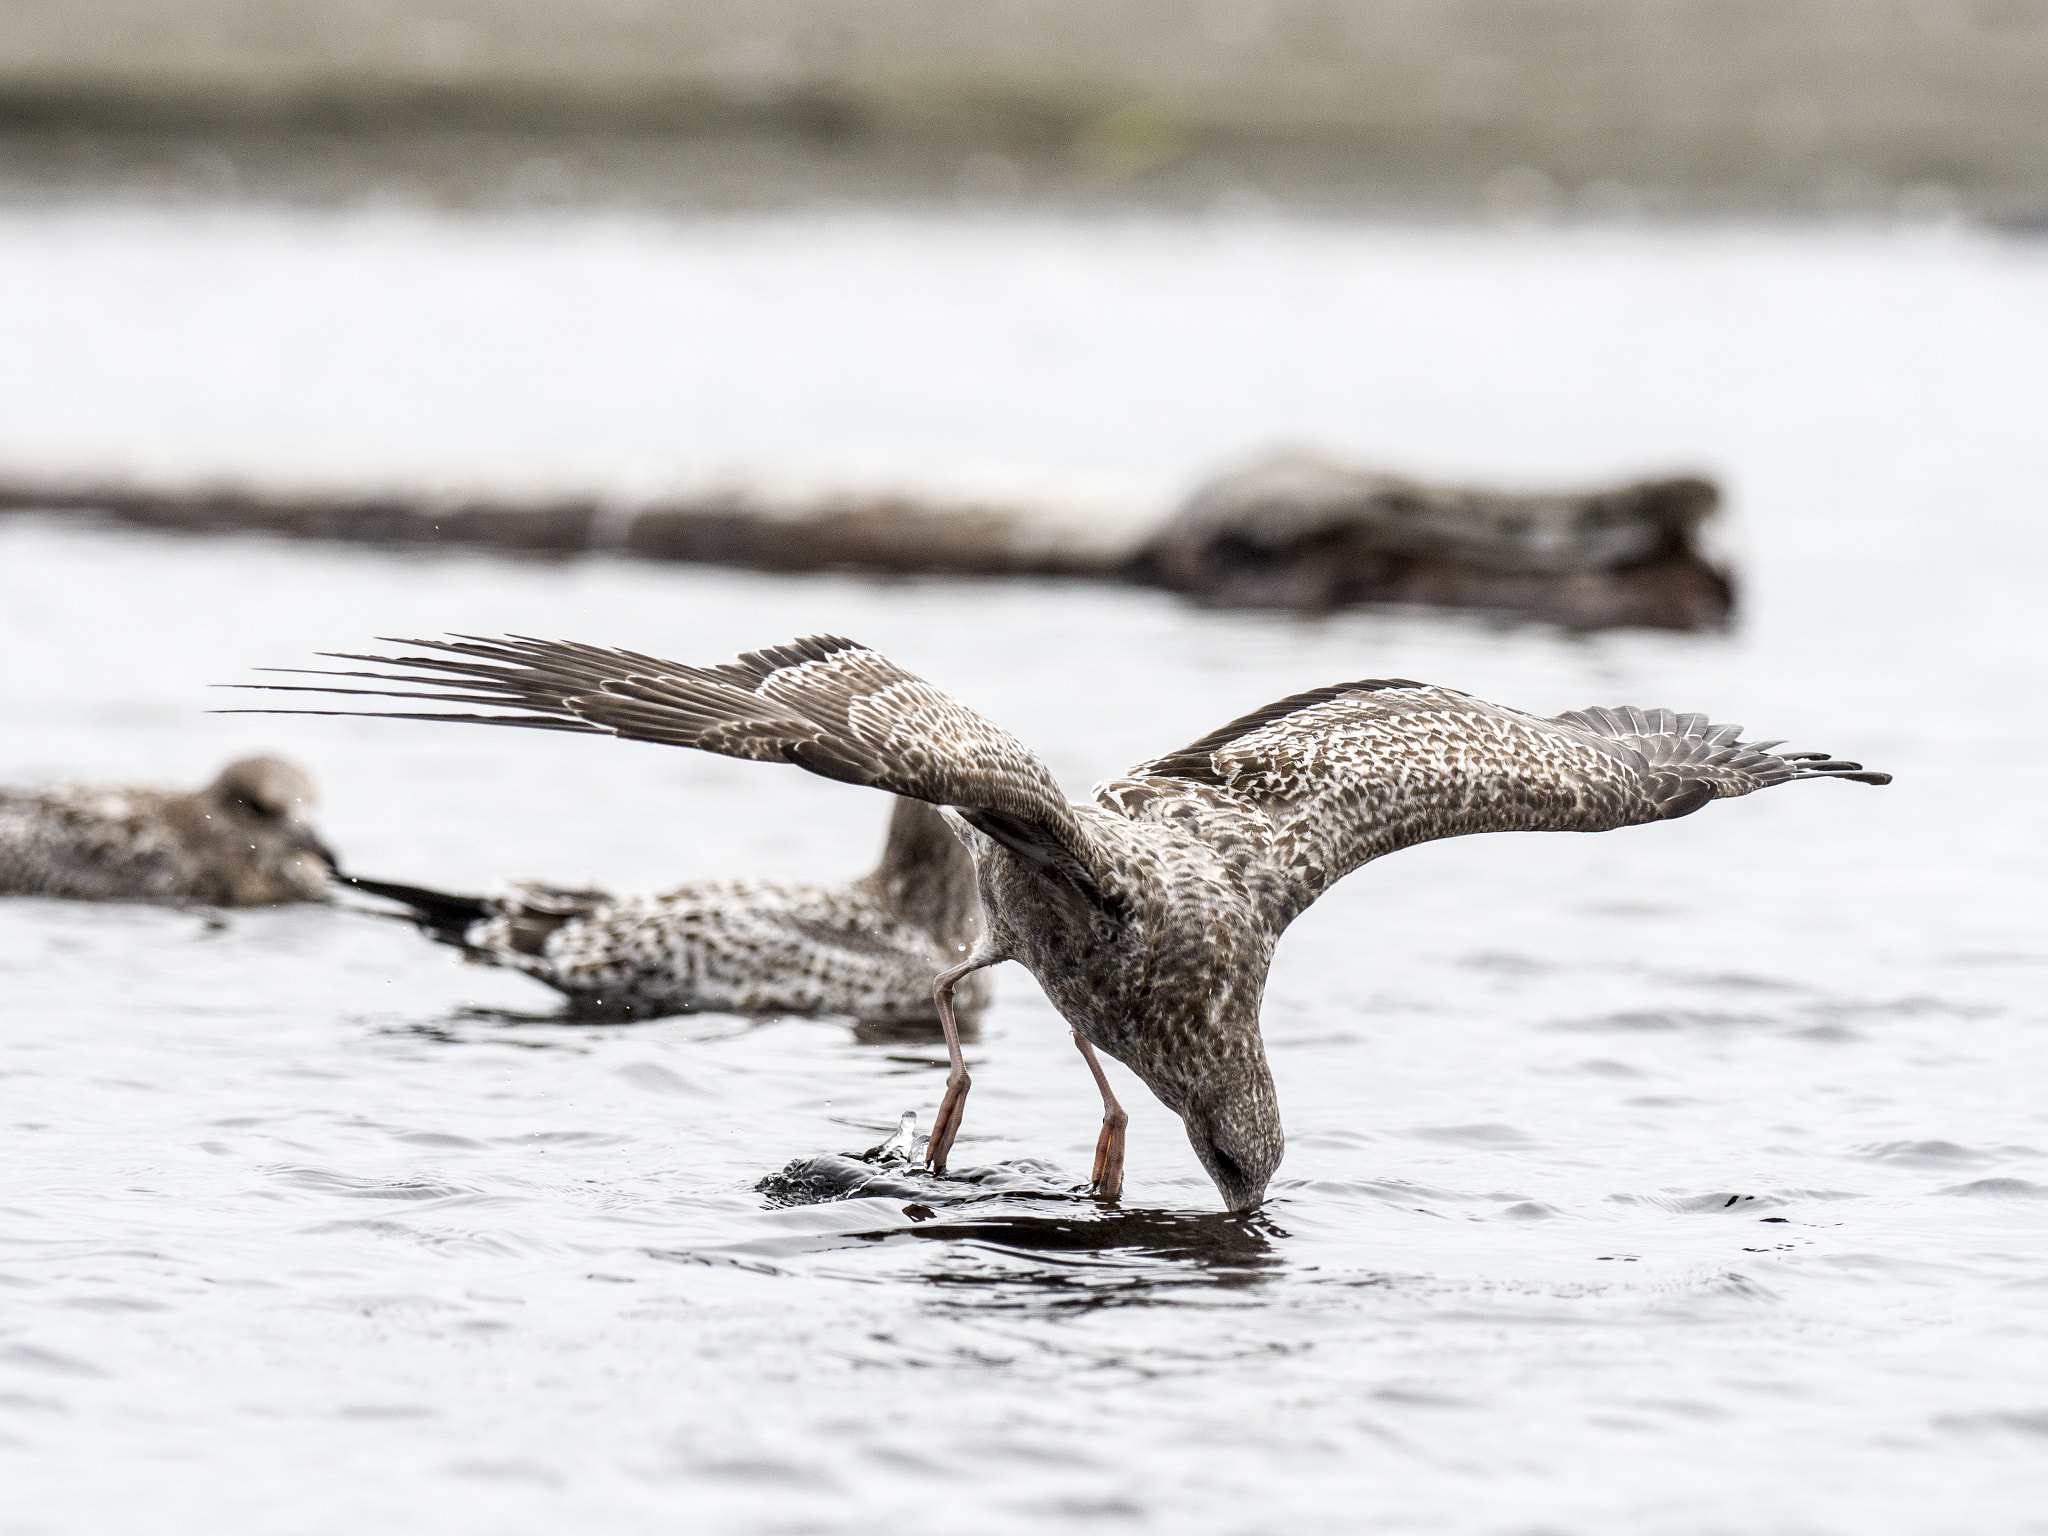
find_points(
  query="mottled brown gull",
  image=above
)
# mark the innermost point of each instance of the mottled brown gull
(869, 948)
(1149, 914)
(241, 841)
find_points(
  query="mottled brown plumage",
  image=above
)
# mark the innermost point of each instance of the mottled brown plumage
(1149, 914)
(241, 841)
(868, 949)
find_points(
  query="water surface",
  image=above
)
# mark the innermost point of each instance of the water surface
(1688, 1179)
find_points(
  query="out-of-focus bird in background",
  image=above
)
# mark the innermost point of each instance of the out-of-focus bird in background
(868, 948)
(241, 841)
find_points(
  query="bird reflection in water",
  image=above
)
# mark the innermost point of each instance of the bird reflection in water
(1117, 1257)
(1022, 1224)
(909, 1031)
(575, 1027)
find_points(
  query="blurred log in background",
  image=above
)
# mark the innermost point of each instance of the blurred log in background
(1292, 530)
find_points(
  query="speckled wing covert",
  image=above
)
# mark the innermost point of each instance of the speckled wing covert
(825, 703)
(1344, 774)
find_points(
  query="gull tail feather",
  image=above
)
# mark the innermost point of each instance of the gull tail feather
(442, 915)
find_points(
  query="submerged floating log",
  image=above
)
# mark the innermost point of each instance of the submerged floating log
(1292, 531)
(762, 528)
(1304, 532)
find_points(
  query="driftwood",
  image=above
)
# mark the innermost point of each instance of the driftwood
(1303, 532)
(1293, 532)
(888, 532)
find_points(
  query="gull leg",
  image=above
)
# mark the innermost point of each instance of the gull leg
(1108, 1179)
(946, 1124)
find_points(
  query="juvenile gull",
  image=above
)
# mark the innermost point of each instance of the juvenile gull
(1148, 914)
(869, 948)
(242, 841)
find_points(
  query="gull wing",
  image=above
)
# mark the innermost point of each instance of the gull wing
(1311, 787)
(822, 702)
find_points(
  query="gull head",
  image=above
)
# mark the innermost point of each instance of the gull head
(261, 805)
(1235, 1131)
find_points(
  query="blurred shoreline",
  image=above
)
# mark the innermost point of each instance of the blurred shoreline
(463, 171)
(1602, 106)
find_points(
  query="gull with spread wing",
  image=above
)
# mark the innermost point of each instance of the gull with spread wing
(1149, 913)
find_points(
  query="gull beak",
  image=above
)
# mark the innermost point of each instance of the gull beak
(309, 842)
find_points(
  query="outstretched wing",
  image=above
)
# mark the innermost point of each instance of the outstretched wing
(1309, 788)
(825, 703)
(1689, 761)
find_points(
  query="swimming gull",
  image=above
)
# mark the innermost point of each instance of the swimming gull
(869, 948)
(1148, 914)
(242, 841)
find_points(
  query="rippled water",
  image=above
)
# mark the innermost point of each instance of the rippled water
(1687, 1179)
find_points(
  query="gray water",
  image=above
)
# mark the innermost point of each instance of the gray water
(1688, 1179)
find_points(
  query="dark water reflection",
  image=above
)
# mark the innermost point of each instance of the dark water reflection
(470, 1023)
(1117, 1257)
(1010, 1235)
